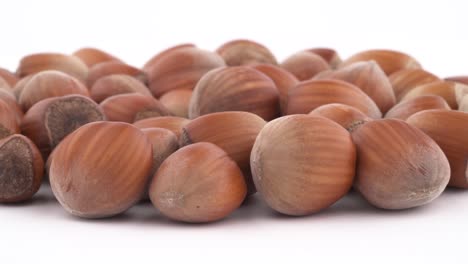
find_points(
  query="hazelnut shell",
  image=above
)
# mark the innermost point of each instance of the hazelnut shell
(198, 183)
(295, 180)
(238, 88)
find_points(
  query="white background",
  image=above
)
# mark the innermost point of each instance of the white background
(435, 32)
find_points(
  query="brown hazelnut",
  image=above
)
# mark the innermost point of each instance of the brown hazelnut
(156, 58)
(4, 85)
(238, 88)
(329, 55)
(172, 123)
(459, 79)
(398, 165)
(405, 80)
(389, 60)
(48, 84)
(369, 78)
(346, 116)
(283, 80)
(19, 86)
(8, 77)
(114, 84)
(103, 69)
(198, 183)
(132, 107)
(305, 65)
(177, 101)
(101, 169)
(10, 100)
(234, 132)
(164, 143)
(22, 169)
(302, 164)
(308, 95)
(93, 56)
(48, 122)
(181, 69)
(450, 91)
(8, 123)
(53, 61)
(244, 52)
(448, 128)
(405, 109)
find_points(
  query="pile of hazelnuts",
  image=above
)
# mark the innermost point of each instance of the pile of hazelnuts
(198, 131)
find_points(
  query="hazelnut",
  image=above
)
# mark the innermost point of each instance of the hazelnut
(131, 107)
(450, 91)
(398, 165)
(114, 84)
(8, 123)
(103, 69)
(93, 56)
(389, 60)
(48, 122)
(305, 65)
(244, 52)
(164, 143)
(19, 86)
(22, 169)
(369, 78)
(234, 132)
(405, 80)
(346, 116)
(329, 55)
(177, 101)
(181, 69)
(238, 88)
(302, 164)
(448, 128)
(172, 123)
(53, 61)
(459, 79)
(101, 169)
(463, 104)
(4, 85)
(308, 95)
(405, 109)
(8, 77)
(283, 80)
(48, 84)
(198, 183)
(10, 100)
(156, 58)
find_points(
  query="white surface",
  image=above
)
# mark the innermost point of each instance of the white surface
(349, 232)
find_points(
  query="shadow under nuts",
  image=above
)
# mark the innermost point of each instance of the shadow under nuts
(198, 183)
(302, 164)
(22, 169)
(101, 169)
(449, 129)
(398, 167)
(239, 88)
